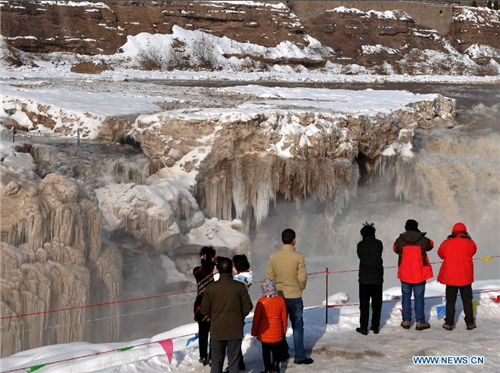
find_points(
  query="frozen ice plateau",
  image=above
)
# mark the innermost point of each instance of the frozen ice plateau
(135, 133)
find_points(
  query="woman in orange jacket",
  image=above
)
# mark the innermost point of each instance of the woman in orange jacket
(269, 326)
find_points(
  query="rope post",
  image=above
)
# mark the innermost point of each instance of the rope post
(78, 135)
(13, 134)
(326, 287)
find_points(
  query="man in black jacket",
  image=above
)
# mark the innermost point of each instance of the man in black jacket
(371, 278)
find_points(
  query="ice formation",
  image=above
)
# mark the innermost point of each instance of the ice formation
(255, 152)
(53, 257)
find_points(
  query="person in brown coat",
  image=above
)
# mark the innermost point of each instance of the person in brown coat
(227, 303)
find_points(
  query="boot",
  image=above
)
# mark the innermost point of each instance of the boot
(471, 326)
(447, 326)
(267, 370)
(405, 324)
(276, 367)
(362, 331)
(422, 325)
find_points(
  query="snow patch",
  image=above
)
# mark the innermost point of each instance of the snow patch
(85, 4)
(396, 14)
(482, 51)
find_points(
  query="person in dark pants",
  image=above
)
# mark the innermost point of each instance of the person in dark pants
(457, 273)
(227, 303)
(414, 269)
(243, 274)
(371, 278)
(204, 276)
(269, 326)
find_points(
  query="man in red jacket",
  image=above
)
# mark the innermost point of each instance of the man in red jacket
(414, 270)
(457, 273)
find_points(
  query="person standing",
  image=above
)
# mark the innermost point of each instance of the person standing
(371, 278)
(204, 275)
(288, 268)
(457, 273)
(269, 326)
(241, 270)
(243, 274)
(227, 303)
(414, 270)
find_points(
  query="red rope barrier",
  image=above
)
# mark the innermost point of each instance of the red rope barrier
(171, 294)
(399, 300)
(98, 305)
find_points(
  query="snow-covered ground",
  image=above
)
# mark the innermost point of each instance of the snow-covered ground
(334, 346)
(63, 72)
(74, 107)
(366, 102)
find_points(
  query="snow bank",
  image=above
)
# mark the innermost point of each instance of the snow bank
(200, 49)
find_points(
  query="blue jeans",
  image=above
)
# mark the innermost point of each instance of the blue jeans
(418, 295)
(295, 308)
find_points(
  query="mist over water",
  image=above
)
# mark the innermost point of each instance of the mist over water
(454, 177)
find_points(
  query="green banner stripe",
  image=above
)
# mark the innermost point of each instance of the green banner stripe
(36, 367)
(126, 348)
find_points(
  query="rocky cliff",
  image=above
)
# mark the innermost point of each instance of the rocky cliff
(244, 157)
(52, 258)
(382, 37)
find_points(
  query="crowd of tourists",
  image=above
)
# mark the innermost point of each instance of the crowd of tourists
(223, 302)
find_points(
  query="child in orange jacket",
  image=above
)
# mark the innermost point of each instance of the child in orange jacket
(269, 326)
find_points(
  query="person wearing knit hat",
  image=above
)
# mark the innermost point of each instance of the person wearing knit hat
(457, 273)
(371, 278)
(269, 326)
(414, 270)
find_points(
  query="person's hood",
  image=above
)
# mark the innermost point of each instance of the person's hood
(459, 230)
(245, 277)
(459, 227)
(412, 236)
(269, 288)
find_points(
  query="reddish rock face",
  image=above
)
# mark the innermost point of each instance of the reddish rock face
(103, 27)
(367, 33)
(474, 26)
